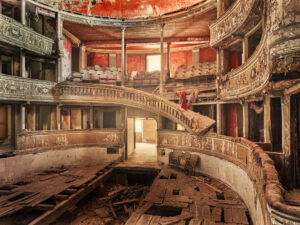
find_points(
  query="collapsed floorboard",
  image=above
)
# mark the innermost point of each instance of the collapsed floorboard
(51, 192)
(194, 200)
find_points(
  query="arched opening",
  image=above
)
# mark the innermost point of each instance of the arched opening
(141, 140)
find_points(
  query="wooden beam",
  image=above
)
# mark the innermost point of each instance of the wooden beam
(72, 37)
(292, 90)
(50, 216)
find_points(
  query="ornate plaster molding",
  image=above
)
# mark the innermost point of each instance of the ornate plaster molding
(109, 94)
(250, 77)
(15, 33)
(23, 89)
(243, 14)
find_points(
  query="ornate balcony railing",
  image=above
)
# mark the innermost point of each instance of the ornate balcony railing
(243, 15)
(250, 77)
(15, 33)
(23, 89)
(106, 94)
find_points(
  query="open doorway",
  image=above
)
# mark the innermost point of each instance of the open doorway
(142, 140)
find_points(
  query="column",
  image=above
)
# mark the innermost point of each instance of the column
(60, 44)
(23, 12)
(267, 119)
(123, 63)
(22, 53)
(218, 70)
(245, 50)
(162, 79)
(91, 117)
(245, 119)
(23, 117)
(219, 8)
(82, 57)
(168, 59)
(0, 9)
(219, 118)
(286, 126)
(58, 117)
(196, 56)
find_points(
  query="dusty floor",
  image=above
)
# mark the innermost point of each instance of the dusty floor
(144, 153)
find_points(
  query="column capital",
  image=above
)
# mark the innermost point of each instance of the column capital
(123, 28)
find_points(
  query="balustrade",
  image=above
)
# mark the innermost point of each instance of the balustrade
(134, 98)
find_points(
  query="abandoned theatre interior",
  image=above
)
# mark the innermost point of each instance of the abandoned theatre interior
(150, 112)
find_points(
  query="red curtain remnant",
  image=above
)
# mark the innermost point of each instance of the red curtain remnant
(182, 99)
(234, 60)
(257, 109)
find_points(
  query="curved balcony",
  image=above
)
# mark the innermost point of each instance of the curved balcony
(15, 33)
(237, 21)
(23, 89)
(106, 94)
(93, 20)
(243, 165)
(250, 77)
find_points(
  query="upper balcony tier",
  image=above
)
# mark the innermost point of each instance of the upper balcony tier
(236, 22)
(17, 34)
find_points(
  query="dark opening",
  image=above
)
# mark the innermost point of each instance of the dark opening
(164, 211)
(173, 176)
(276, 126)
(175, 192)
(220, 196)
(109, 119)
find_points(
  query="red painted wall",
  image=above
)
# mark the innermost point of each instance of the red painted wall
(119, 60)
(178, 59)
(232, 120)
(136, 63)
(101, 59)
(208, 55)
(123, 8)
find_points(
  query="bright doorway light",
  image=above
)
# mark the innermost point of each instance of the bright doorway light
(153, 63)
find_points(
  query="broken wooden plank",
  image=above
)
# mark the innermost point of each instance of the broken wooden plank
(125, 202)
(60, 208)
(239, 216)
(144, 219)
(133, 219)
(155, 220)
(216, 214)
(214, 188)
(228, 215)
(112, 210)
(116, 191)
(44, 207)
(144, 208)
(195, 222)
(175, 219)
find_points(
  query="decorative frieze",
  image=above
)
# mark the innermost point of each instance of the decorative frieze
(17, 34)
(38, 141)
(243, 12)
(24, 89)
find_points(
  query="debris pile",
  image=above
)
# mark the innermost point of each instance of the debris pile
(111, 204)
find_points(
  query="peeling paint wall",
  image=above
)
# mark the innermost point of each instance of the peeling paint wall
(66, 58)
(208, 55)
(101, 59)
(136, 63)
(122, 8)
(178, 59)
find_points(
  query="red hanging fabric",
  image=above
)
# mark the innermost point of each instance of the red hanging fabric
(183, 100)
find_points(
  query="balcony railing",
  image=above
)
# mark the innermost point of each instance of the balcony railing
(16, 34)
(106, 94)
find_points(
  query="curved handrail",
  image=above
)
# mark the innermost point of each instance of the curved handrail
(250, 77)
(86, 93)
(198, 8)
(256, 163)
(231, 21)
